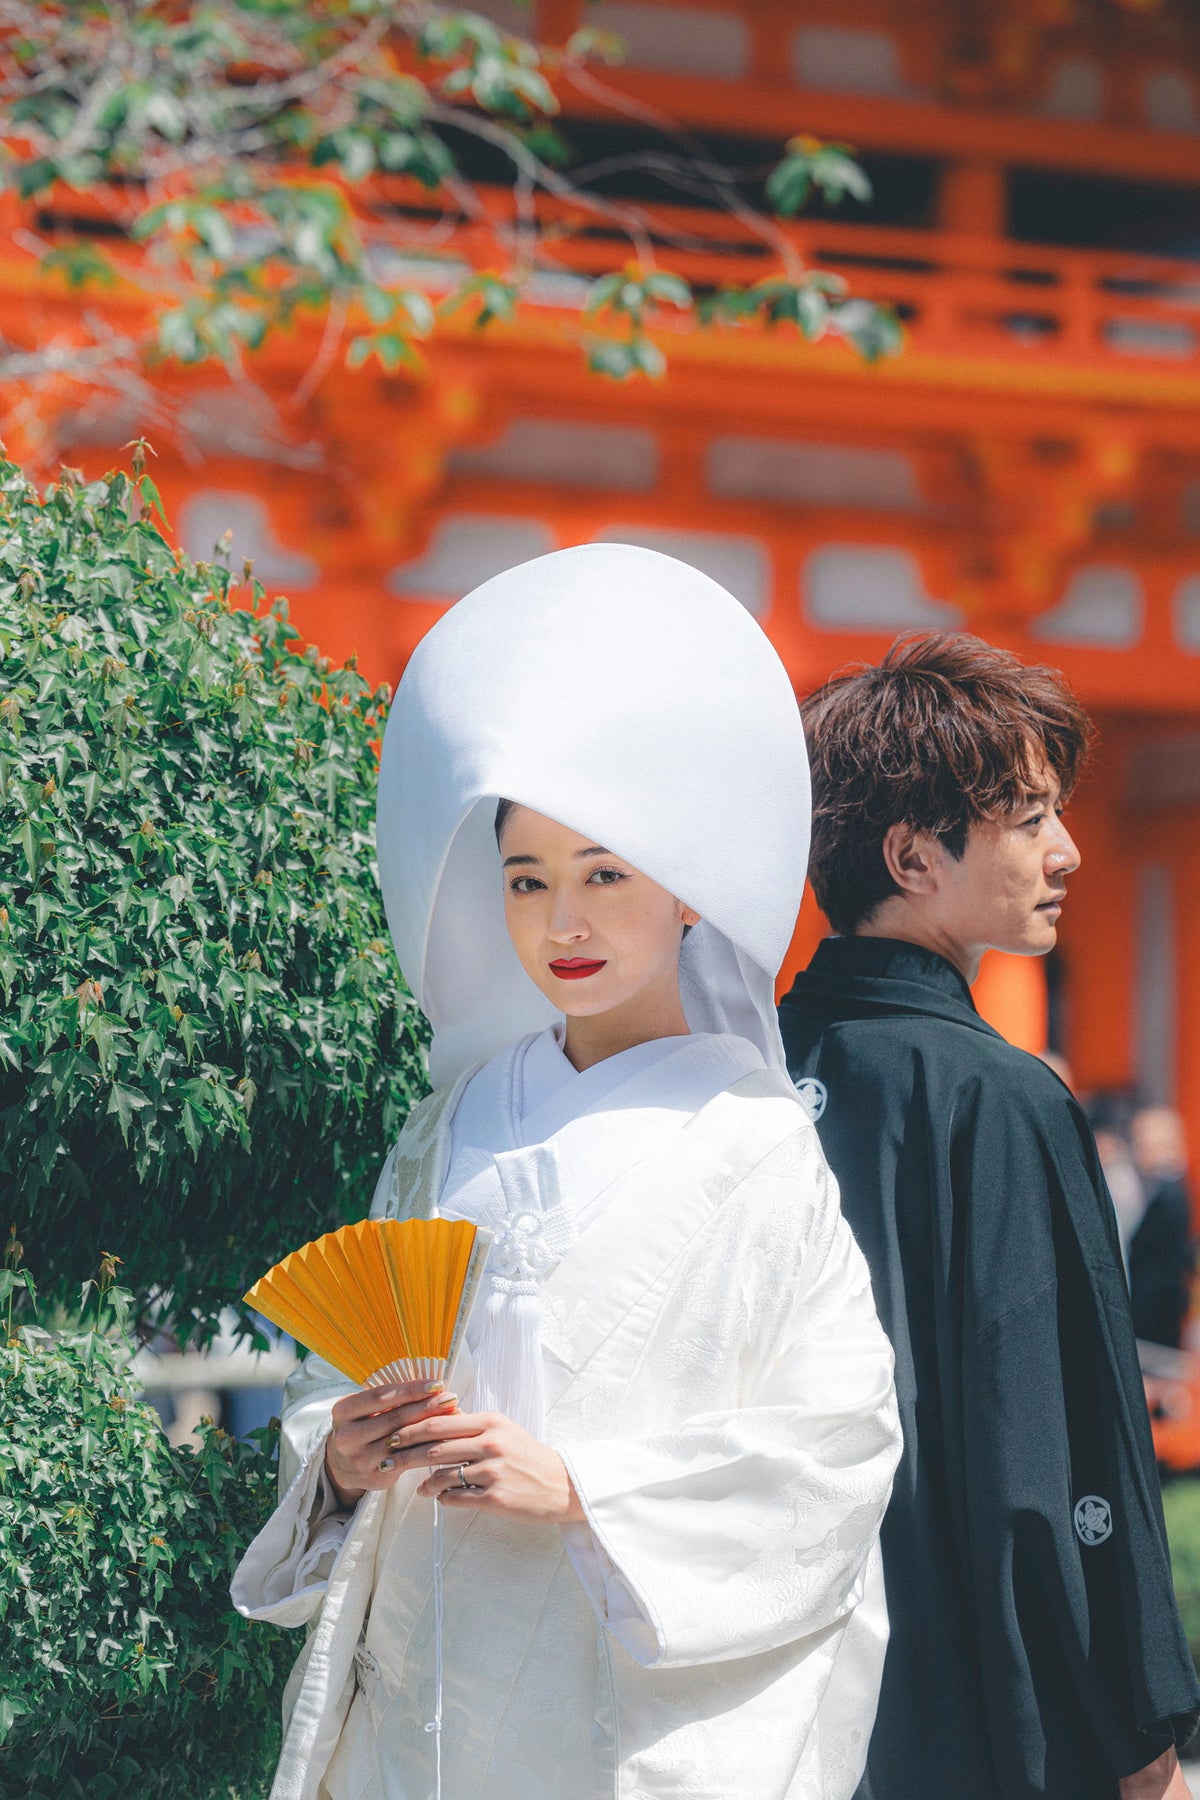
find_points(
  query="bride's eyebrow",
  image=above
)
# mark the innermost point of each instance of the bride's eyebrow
(591, 850)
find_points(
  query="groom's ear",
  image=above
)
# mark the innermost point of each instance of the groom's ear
(908, 856)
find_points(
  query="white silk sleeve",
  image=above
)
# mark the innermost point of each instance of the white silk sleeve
(615, 1604)
(737, 1530)
(285, 1572)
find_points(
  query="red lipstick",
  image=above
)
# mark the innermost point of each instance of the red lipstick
(575, 968)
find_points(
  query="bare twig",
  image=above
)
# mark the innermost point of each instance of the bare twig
(331, 338)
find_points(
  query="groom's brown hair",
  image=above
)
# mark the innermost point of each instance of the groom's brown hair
(945, 731)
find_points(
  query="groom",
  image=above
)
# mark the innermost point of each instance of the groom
(1035, 1645)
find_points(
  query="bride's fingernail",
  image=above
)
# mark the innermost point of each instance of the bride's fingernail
(433, 1387)
(448, 1400)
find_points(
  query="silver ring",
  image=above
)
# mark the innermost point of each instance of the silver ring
(462, 1476)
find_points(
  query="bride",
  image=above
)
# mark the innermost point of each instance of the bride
(662, 1474)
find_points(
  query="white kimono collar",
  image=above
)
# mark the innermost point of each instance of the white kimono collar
(536, 1197)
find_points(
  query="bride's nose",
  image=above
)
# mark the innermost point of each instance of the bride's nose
(567, 924)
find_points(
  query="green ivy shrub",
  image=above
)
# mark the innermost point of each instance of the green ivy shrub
(205, 1045)
(124, 1672)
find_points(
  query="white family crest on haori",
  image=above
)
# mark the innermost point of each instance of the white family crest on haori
(672, 1301)
(813, 1096)
(1093, 1520)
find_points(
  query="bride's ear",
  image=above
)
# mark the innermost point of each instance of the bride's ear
(688, 916)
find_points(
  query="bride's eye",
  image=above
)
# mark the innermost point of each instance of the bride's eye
(606, 877)
(525, 884)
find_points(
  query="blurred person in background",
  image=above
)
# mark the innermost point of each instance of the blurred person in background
(1162, 1246)
(1108, 1116)
(1036, 1646)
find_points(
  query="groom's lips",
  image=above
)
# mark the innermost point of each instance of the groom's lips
(575, 968)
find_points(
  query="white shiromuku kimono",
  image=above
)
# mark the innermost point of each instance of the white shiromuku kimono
(708, 1359)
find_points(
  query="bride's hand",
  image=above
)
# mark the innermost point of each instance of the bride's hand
(508, 1470)
(360, 1451)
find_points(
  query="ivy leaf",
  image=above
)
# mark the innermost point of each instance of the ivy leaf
(124, 1102)
(193, 1127)
(149, 492)
(11, 1709)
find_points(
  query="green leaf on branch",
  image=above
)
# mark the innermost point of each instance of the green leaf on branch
(669, 290)
(79, 264)
(590, 41)
(380, 305)
(548, 145)
(33, 176)
(620, 358)
(389, 348)
(493, 298)
(352, 150)
(417, 153)
(648, 359)
(817, 306)
(630, 295)
(812, 166)
(875, 331)
(604, 292)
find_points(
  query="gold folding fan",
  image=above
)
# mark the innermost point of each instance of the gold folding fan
(385, 1300)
